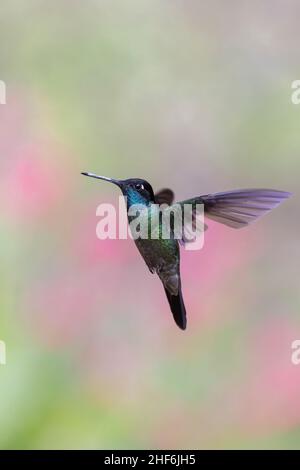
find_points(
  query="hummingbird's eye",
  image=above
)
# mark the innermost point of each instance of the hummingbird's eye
(139, 186)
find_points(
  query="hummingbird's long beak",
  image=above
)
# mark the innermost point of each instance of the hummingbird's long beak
(110, 180)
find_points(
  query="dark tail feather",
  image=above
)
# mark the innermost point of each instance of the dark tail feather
(177, 308)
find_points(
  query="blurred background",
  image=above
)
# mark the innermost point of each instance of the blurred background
(190, 94)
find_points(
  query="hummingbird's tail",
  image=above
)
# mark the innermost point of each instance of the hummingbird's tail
(177, 307)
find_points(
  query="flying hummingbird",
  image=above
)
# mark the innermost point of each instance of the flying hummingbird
(236, 209)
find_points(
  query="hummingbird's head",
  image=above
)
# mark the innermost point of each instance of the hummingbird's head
(137, 191)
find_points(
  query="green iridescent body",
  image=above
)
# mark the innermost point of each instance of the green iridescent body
(161, 255)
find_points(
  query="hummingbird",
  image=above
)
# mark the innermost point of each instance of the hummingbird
(236, 209)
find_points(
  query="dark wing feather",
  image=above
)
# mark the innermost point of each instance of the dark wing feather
(164, 196)
(241, 207)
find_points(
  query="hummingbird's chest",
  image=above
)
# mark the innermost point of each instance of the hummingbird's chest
(159, 253)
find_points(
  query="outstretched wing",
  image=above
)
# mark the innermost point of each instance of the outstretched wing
(164, 196)
(241, 207)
